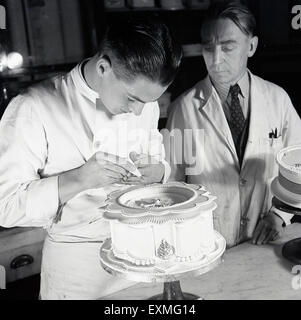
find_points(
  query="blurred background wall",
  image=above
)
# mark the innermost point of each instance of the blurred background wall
(54, 35)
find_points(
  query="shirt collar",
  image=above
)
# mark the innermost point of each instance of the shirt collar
(206, 88)
(223, 90)
(244, 84)
(81, 84)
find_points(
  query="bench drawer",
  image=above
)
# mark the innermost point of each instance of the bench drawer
(21, 252)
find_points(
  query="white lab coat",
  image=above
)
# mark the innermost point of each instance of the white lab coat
(242, 195)
(52, 128)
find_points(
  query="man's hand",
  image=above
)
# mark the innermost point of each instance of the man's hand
(104, 169)
(268, 229)
(152, 171)
(100, 170)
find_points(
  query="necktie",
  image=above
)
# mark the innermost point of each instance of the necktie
(237, 121)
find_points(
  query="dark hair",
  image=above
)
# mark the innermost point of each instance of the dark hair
(236, 12)
(142, 48)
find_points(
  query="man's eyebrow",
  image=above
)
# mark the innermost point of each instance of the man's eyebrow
(228, 42)
(136, 98)
(220, 42)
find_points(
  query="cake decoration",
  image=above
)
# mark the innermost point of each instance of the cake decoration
(151, 203)
(165, 250)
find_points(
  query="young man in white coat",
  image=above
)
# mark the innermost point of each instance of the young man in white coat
(66, 143)
(238, 122)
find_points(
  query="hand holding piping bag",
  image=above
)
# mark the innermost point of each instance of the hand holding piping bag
(152, 171)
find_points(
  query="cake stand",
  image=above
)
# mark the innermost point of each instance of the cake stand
(291, 249)
(169, 273)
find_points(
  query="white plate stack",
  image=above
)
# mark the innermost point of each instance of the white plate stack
(287, 186)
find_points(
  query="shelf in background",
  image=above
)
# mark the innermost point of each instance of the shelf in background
(152, 9)
(37, 70)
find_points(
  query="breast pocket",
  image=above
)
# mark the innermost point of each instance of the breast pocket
(269, 149)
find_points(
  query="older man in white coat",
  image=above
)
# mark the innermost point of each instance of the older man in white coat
(239, 122)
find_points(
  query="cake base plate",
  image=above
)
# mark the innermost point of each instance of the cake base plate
(291, 199)
(165, 272)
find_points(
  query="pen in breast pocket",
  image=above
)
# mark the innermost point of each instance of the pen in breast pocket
(273, 135)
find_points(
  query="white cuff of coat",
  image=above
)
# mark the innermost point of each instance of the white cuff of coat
(286, 217)
(42, 199)
(167, 171)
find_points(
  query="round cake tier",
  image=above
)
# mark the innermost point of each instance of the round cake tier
(157, 203)
(148, 243)
(171, 222)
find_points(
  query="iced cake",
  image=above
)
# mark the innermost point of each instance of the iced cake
(161, 222)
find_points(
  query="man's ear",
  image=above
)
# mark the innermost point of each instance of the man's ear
(103, 65)
(253, 46)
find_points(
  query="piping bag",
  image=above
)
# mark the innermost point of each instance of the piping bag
(126, 163)
(133, 169)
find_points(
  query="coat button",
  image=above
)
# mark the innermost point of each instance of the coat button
(243, 182)
(244, 221)
(97, 144)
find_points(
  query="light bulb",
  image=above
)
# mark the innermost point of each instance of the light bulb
(14, 60)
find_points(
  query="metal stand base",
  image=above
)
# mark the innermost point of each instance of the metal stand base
(173, 291)
(292, 251)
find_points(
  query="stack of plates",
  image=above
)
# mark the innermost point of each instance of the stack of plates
(287, 186)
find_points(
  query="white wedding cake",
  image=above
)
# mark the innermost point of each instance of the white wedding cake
(157, 223)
